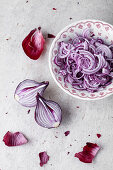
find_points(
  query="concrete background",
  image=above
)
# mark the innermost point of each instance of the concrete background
(17, 18)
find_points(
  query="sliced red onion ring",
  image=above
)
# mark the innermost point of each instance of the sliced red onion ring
(105, 50)
(86, 45)
(47, 113)
(90, 83)
(33, 44)
(111, 74)
(65, 49)
(88, 153)
(44, 158)
(105, 71)
(85, 56)
(14, 139)
(27, 90)
(101, 63)
(87, 33)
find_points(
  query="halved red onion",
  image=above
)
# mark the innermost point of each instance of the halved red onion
(88, 153)
(27, 90)
(14, 139)
(47, 113)
(33, 44)
(44, 158)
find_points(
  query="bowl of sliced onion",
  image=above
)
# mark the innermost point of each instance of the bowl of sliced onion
(81, 59)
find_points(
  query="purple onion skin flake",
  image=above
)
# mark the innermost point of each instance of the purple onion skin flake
(85, 62)
(14, 139)
(51, 36)
(44, 158)
(66, 133)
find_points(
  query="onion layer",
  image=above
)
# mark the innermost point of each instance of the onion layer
(14, 139)
(33, 44)
(47, 113)
(88, 153)
(27, 90)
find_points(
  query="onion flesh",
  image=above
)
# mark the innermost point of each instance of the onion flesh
(85, 62)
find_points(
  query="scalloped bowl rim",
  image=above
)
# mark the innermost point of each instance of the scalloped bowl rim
(50, 54)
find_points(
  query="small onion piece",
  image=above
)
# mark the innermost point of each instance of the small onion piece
(14, 139)
(51, 36)
(67, 133)
(88, 153)
(33, 44)
(44, 158)
(87, 33)
(27, 90)
(47, 113)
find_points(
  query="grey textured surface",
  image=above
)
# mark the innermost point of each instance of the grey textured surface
(17, 18)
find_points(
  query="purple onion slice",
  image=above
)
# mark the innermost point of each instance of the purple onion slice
(82, 59)
(27, 90)
(47, 113)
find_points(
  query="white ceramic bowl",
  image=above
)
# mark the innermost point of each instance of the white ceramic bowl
(100, 29)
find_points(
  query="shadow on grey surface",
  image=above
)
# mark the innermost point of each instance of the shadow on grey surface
(47, 43)
(66, 115)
